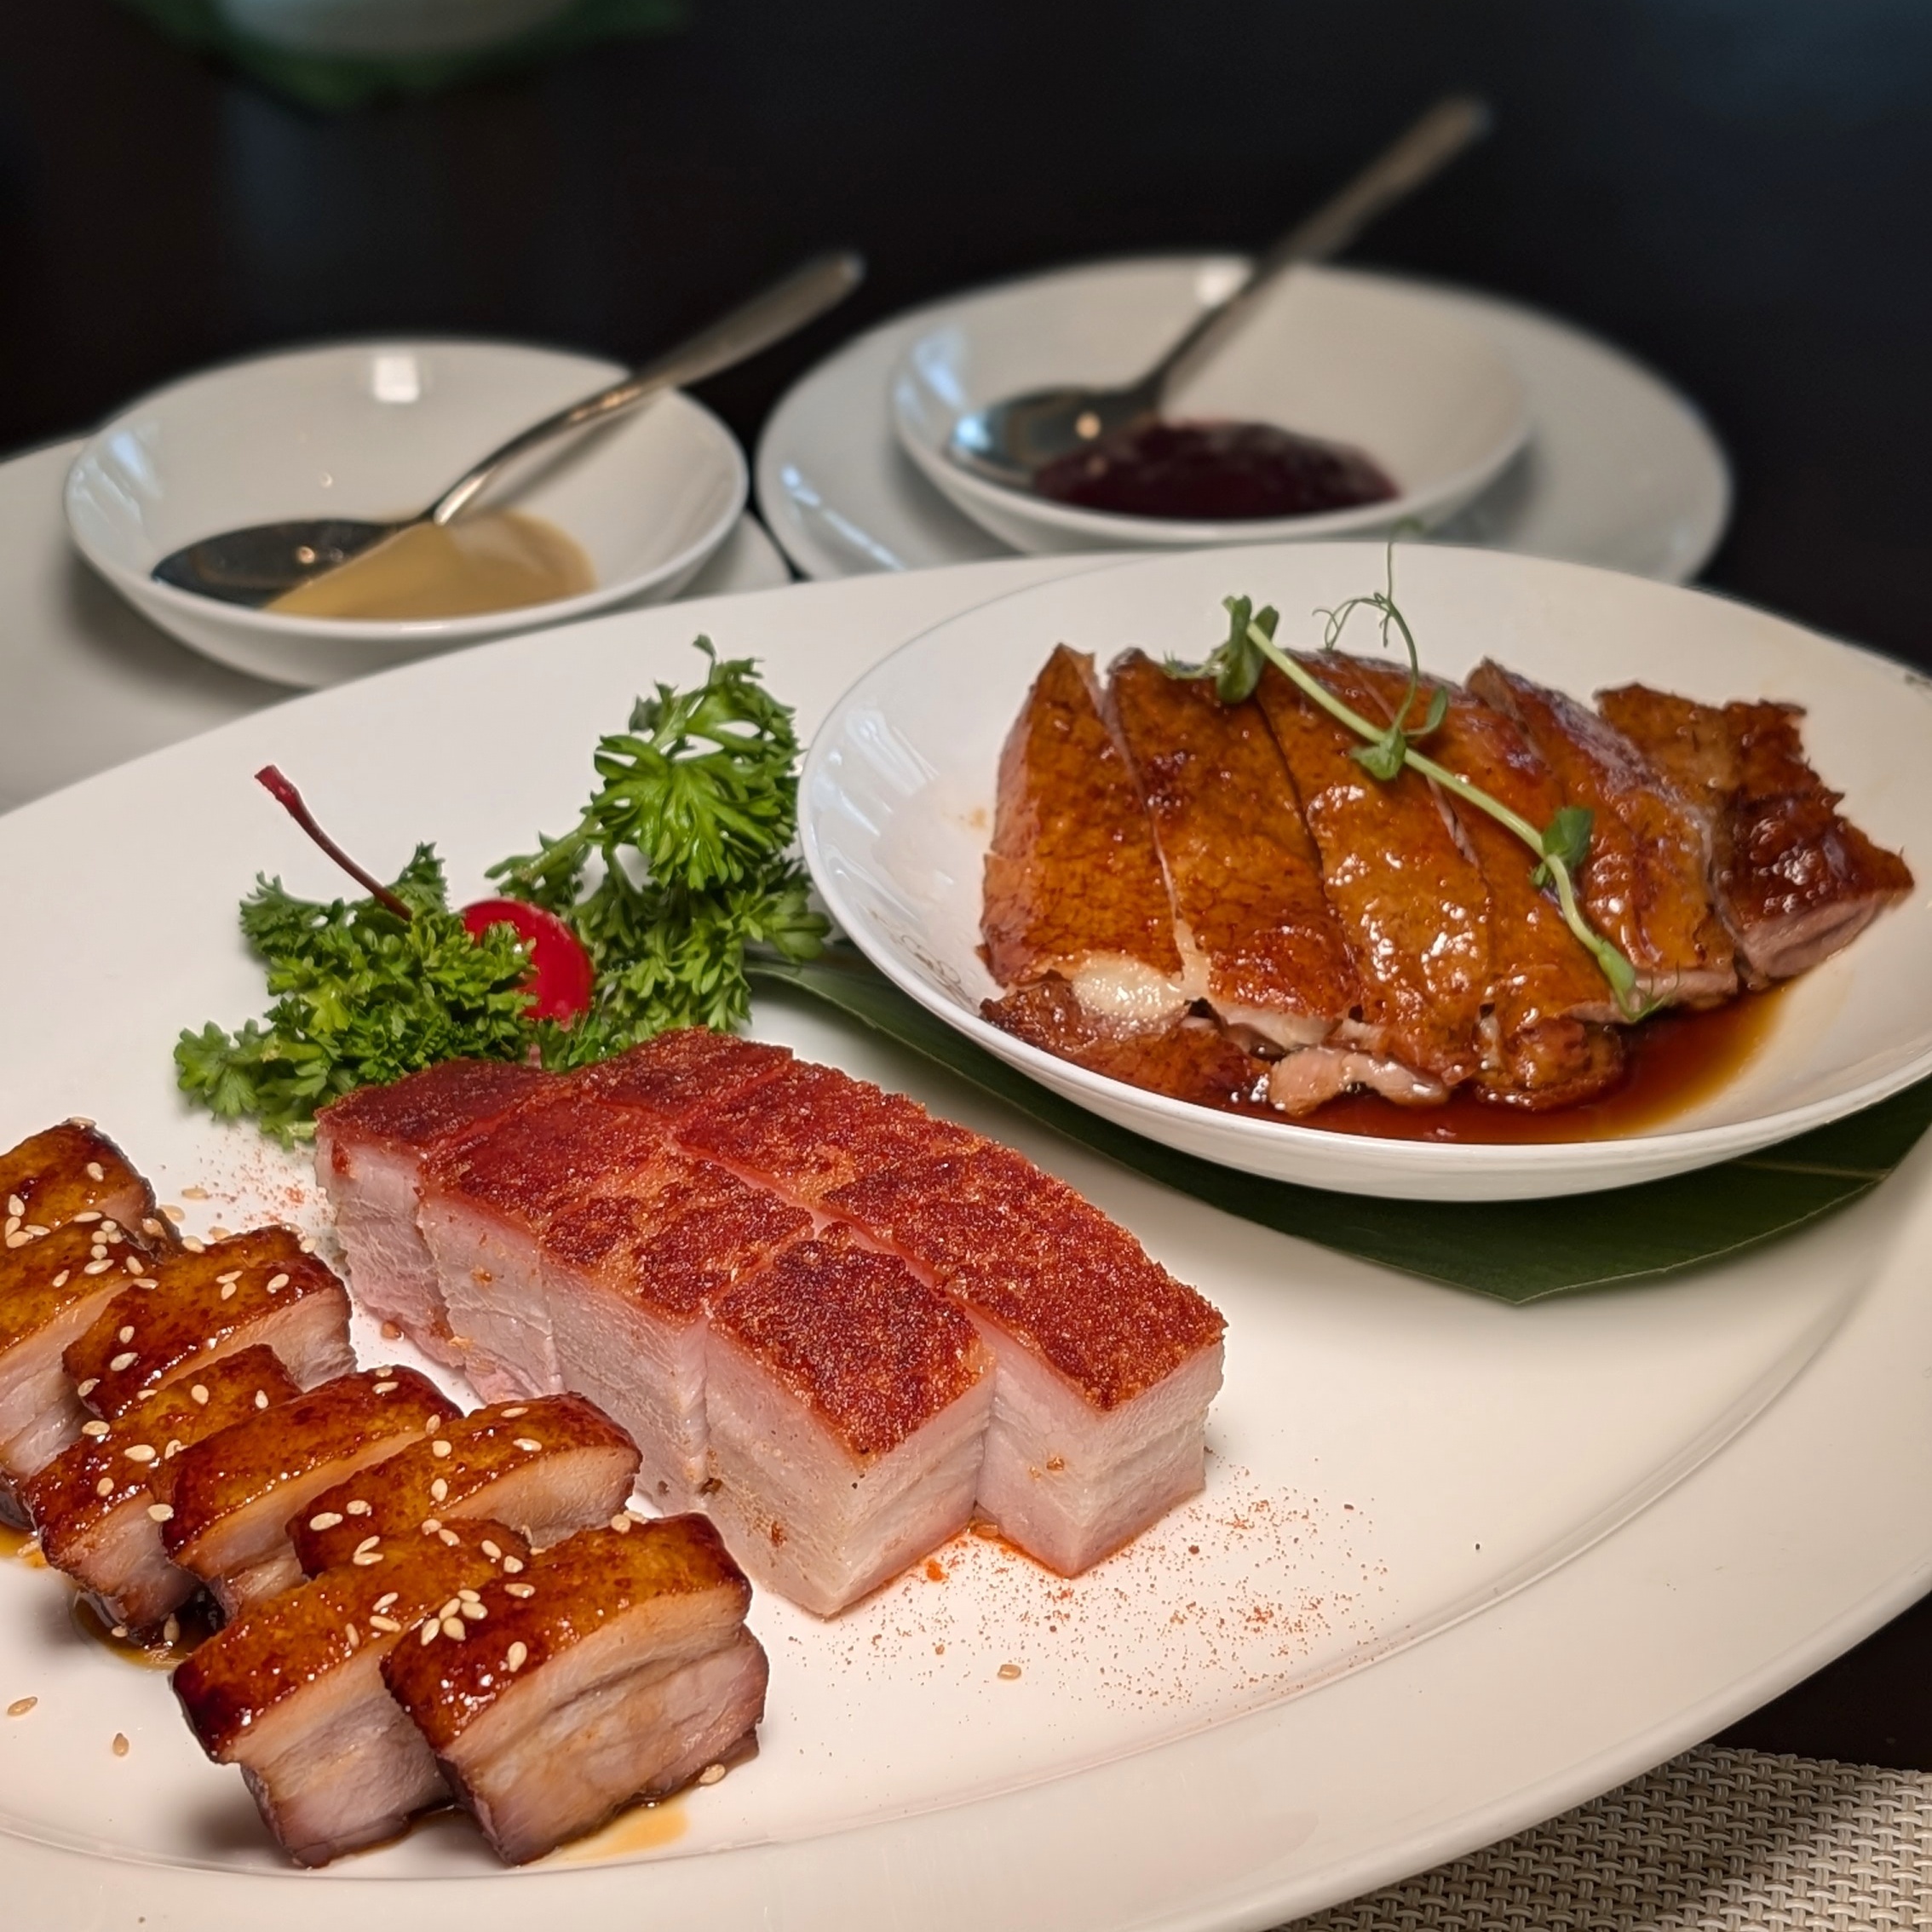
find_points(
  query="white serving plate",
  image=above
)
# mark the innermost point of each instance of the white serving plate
(1509, 1556)
(1620, 469)
(376, 430)
(1350, 359)
(898, 794)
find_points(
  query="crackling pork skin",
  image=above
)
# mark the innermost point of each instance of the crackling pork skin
(615, 1666)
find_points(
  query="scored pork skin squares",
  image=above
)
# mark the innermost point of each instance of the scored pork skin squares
(99, 1505)
(69, 1170)
(1106, 1363)
(292, 1691)
(1073, 882)
(629, 1277)
(234, 1493)
(1259, 940)
(369, 1151)
(52, 1291)
(847, 1403)
(1645, 883)
(547, 1466)
(678, 1073)
(256, 1288)
(616, 1666)
(487, 1206)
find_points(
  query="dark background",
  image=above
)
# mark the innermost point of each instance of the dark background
(1738, 191)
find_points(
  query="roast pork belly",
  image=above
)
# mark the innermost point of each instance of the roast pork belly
(292, 1690)
(673, 1076)
(256, 1288)
(53, 1289)
(1796, 881)
(615, 1666)
(1646, 885)
(67, 1172)
(1106, 1363)
(1257, 940)
(99, 1505)
(232, 1494)
(1073, 882)
(846, 1403)
(549, 1465)
(369, 1150)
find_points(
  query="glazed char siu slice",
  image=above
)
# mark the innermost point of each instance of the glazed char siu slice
(1645, 883)
(1411, 904)
(68, 1171)
(1796, 881)
(292, 1691)
(1258, 940)
(99, 1505)
(1073, 883)
(260, 1288)
(616, 1666)
(847, 1405)
(549, 1465)
(1552, 1009)
(1106, 1363)
(234, 1493)
(54, 1290)
(676, 1074)
(370, 1147)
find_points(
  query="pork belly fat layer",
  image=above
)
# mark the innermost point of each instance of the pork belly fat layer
(259, 1288)
(1257, 935)
(68, 1170)
(234, 1493)
(1073, 882)
(369, 1150)
(99, 1505)
(672, 1077)
(547, 1466)
(292, 1691)
(847, 1403)
(616, 1666)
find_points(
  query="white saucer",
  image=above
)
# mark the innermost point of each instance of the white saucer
(90, 684)
(1621, 470)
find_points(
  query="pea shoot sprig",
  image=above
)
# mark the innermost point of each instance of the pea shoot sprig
(1561, 847)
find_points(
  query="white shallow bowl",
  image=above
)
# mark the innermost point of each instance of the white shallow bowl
(376, 429)
(1354, 358)
(898, 799)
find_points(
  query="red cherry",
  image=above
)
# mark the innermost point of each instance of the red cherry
(560, 968)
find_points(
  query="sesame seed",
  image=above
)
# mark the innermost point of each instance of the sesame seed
(453, 1627)
(368, 1543)
(16, 1240)
(139, 1452)
(175, 1447)
(364, 1558)
(124, 1359)
(15, 1206)
(439, 1449)
(429, 1632)
(171, 1630)
(474, 1612)
(383, 1387)
(13, 1223)
(711, 1774)
(33, 1231)
(512, 1565)
(450, 1536)
(118, 1630)
(60, 1279)
(621, 1524)
(218, 1233)
(354, 1636)
(357, 1507)
(434, 1424)
(430, 1526)
(83, 1219)
(528, 1443)
(233, 1275)
(511, 1414)
(126, 1334)
(145, 1281)
(175, 1214)
(133, 1264)
(104, 1486)
(98, 1266)
(149, 1225)
(228, 1293)
(491, 1550)
(1009, 1672)
(327, 1520)
(79, 1120)
(387, 1598)
(193, 1245)
(87, 1388)
(120, 1744)
(390, 1331)
(518, 1590)
(307, 1244)
(95, 1427)
(468, 1596)
(262, 1398)
(517, 1656)
(95, 1171)
(388, 1625)
(439, 1490)
(21, 1705)
(200, 1393)
(277, 1282)
(160, 1513)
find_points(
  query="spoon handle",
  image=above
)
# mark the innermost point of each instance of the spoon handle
(1416, 157)
(766, 318)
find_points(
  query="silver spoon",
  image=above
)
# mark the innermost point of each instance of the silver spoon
(256, 565)
(1009, 441)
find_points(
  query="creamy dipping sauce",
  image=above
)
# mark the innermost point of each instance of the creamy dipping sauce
(492, 560)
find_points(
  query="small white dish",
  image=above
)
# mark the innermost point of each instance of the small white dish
(1620, 470)
(1349, 358)
(376, 429)
(898, 795)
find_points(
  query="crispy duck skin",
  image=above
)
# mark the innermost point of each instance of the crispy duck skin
(847, 1403)
(370, 1147)
(292, 1691)
(616, 1666)
(1073, 882)
(547, 1466)
(256, 1288)
(678, 1073)
(1258, 939)
(68, 1172)
(99, 1505)
(1796, 881)
(1414, 908)
(234, 1493)
(1645, 883)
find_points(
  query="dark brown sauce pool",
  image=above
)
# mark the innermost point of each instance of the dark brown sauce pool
(1676, 1060)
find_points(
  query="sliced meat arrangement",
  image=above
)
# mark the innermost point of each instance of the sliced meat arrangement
(72, 1172)
(1795, 881)
(616, 1665)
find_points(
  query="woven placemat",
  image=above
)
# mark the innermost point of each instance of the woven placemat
(1715, 1841)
